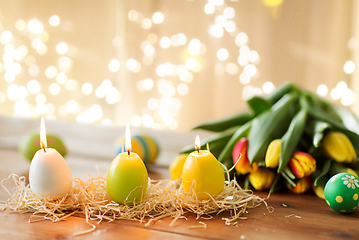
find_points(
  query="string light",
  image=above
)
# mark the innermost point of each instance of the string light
(26, 47)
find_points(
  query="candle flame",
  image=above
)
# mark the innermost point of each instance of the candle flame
(197, 143)
(128, 139)
(43, 141)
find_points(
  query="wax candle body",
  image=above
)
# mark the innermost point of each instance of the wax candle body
(49, 174)
(127, 178)
(203, 173)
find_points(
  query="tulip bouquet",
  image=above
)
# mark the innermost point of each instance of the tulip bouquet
(290, 139)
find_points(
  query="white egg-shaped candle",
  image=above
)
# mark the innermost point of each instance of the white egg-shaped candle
(49, 174)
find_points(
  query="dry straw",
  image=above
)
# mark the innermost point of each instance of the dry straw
(164, 198)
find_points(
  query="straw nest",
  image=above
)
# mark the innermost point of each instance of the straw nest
(164, 198)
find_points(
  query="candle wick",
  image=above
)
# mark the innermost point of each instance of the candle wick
(43, 146)
(197, 150)
(128, 151)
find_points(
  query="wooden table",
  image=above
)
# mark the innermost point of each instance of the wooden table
(294, 217)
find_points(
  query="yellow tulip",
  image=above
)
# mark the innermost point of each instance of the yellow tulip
(319, 191)
(302, 164)
(337, 145)
(262, 178)
(351, 171)
(176, 166)
(273, 153)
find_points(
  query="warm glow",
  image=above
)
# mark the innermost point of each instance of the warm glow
(43, 142)
(128, 139)
(197, 143)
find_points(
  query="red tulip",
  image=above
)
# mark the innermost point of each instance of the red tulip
(240, 157)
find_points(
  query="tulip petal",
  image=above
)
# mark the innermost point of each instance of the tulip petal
(296, 168)
(262, 178)
(334, 146)
(273, 153)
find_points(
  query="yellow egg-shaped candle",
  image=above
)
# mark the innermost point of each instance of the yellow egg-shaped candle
(203, 174)
(127, 177)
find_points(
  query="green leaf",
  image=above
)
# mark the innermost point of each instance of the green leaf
(291, 138)
(268, 126)
(320, 114)
(247, 184)
(337, 167)
(223, 124)
(275, 184)
(288, 172)
(349, 119)
(316, 129)
(322, 176)
(240, 133)
(289, 180)
(258, 105)
(281, 91)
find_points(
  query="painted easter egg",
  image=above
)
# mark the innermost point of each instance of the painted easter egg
(144, 145)
(342, 192)
(30, 144)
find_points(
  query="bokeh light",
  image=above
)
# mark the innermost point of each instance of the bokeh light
(268, 87)
(62, 48)
(222, 54)
(157, 18)
(349, 67)
(54, 89)
(114, 65)
(35, 26)
(322, 90)
(209, 8)
(216, 31)
(87, 88)
(54, 20)
(34, 86)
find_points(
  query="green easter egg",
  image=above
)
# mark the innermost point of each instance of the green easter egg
(30, 144)
(342, 192)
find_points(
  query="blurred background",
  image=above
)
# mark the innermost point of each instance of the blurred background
(167, 65)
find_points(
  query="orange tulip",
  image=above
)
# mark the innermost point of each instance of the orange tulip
(302, 164)
(302, 186)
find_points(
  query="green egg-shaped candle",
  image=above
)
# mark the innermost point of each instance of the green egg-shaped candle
(127, 177)
(342, 192)
(30, 144)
